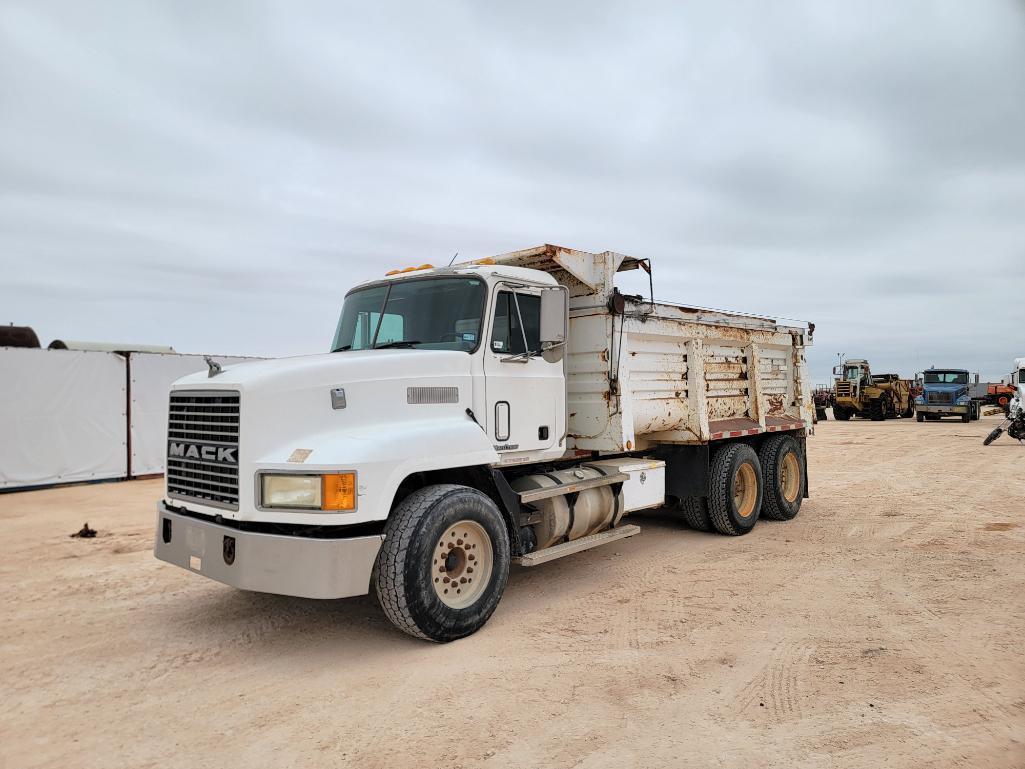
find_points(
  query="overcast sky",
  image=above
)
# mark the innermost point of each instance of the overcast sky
(215, 175)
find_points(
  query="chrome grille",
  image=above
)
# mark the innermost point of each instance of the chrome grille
(202, 447)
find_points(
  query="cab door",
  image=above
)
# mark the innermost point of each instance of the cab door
(526, 395)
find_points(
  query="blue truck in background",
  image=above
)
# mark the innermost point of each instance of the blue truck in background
(946, 392)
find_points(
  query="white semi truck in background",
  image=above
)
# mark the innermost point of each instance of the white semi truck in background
(513, 409)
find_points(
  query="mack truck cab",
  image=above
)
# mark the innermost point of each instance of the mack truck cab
(511, 409)
(945, 393)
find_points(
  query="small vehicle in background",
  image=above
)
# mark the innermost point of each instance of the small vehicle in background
(945, 393)
(822, 397)
(1014, 424)
(859, 392)
(1000, 395)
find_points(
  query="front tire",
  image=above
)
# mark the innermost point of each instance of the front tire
(993, 436)
(444, 563)
(783, 471)
(735, 489)
(877, 409)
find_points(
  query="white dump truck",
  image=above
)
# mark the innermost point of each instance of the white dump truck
(510, 410)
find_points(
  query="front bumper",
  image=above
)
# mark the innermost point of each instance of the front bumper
(266, 563)
(935, 408)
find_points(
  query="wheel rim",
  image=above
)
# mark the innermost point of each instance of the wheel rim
(462, 564)
(745, 490)
(790, 477)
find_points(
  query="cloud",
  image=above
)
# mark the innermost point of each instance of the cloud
(215, 176)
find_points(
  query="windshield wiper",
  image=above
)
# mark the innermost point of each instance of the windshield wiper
(400, 343)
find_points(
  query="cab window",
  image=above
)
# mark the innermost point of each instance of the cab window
(507, 336)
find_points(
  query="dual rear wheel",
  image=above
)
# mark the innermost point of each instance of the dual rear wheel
(745, 485)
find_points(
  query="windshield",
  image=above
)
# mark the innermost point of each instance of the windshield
(946, 377)
(429, 314)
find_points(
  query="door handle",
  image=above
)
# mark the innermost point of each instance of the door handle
(502, 420)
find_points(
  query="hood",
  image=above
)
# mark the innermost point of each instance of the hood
(330, 369)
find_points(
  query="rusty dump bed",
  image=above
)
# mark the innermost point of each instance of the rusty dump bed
(663, 373)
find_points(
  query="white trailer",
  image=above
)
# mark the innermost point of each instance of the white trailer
(514, 409)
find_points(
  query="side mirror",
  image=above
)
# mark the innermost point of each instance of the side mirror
(554, 322)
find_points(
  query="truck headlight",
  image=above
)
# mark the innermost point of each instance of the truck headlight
(309, 492)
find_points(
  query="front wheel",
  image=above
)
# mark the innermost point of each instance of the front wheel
(444, 563)
(877, 410)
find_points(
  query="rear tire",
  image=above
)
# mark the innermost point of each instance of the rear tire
(877, 410)
(783, 471)
(695, 512)
(735, 489)
(437, 540)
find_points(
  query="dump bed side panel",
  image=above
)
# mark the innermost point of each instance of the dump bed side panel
(673, 375)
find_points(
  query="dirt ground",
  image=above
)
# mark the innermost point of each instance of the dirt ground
(882, 628)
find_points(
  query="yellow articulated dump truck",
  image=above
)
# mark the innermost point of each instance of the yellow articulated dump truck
(859, 392)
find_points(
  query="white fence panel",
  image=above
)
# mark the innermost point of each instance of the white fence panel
(62, 416)
(152, 375)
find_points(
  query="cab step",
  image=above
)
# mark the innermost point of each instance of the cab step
(577, 545)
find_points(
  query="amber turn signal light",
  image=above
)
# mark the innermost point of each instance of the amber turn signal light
(339, 492)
